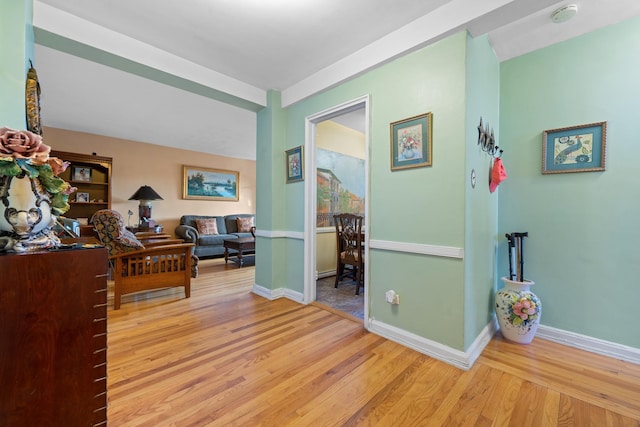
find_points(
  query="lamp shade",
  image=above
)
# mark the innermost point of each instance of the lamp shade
(145, 193)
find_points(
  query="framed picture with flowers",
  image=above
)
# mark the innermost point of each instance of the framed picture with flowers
(411, 141)
(574, 149)
(295, 164)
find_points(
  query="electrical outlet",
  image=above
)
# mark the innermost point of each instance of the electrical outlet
(391, 297)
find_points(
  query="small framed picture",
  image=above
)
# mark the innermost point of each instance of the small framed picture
(82, 197)
(411, 142)
(574, 149)
(80, 173)
(295, 164)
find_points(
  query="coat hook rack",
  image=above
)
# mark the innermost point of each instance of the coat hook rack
(487, 141)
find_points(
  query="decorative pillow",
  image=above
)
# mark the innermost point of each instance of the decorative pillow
(244, 224)
(207, 226)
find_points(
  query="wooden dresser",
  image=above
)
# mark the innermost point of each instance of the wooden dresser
(53, 338)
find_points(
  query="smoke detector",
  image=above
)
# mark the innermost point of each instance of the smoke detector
(564, 13)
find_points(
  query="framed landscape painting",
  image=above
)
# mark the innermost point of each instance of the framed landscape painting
(210, 184)
(574, 149)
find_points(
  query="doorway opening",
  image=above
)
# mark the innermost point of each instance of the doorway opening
(327, 149)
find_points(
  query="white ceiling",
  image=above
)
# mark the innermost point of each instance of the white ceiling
(246, 47)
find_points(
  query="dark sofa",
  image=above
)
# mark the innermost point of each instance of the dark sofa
(210, 245)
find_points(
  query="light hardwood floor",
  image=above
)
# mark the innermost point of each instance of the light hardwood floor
(226, 357)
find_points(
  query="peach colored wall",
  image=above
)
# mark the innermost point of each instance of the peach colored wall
(137, 163)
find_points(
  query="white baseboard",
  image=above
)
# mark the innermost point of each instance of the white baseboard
(326, 274)
(457, 358)
(272, 294)
(267, 293)
(465, 360)
(481, 341)
(594, 345)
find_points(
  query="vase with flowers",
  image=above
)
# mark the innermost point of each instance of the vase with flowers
(517, 308)
(31, 193)
(408, 147)
(518, 311)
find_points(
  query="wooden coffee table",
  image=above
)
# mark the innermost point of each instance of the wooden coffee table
(242, 246)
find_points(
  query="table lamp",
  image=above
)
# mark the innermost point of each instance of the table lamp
(145, 195)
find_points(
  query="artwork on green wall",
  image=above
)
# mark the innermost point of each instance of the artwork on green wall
(574, 149)
(294, 164)
(411, 142)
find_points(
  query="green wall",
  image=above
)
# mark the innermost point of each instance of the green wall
(270, 212)
(15, 18)
(422, 205)
(583, 227)
(481, 206)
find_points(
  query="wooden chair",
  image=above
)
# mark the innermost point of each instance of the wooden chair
(138, 268)
(349, 249)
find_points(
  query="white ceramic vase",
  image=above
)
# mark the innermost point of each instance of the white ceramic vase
(518, 311)
(25, 214)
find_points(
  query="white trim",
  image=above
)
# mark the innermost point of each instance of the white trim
(267, 293)
(465, 360)
(594, 345)
(449, 355)
(310, 191)
(418, 248)
(272, 294)
(280, 234)
(64, 24)
(481, 341)
(325, 230)
(325, 274)
(440, 23)
(294, 296)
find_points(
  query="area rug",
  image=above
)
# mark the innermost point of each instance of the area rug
(342, 298)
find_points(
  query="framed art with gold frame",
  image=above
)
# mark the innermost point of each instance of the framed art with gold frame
(201, 183)
(295, 164)
(579, 148)
(411, 142)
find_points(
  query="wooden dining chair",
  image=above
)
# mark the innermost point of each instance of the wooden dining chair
(349, 249)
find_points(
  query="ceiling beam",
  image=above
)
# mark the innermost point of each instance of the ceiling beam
(63, 31)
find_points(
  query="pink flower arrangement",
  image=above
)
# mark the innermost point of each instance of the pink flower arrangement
(23, 152)
(57, 166)
(524, 308)
(22, 144)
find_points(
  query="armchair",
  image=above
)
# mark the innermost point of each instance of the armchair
(138, 268)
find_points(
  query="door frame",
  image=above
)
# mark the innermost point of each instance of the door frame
(310, 192)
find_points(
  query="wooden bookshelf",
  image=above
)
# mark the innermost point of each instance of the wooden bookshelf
(91, 175)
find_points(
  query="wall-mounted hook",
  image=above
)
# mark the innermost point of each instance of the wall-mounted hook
(487, 140)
